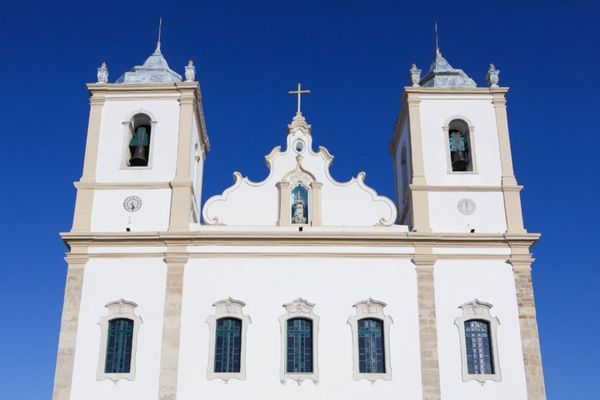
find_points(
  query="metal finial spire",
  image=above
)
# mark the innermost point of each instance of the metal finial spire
(159, 32)
(437, 39)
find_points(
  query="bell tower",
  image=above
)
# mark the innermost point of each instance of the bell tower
(452, 156)
(145, 150)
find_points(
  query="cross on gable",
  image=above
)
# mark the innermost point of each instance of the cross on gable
(299, 92)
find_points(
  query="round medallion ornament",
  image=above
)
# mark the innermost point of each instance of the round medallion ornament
(299, 146)
(132, 203)
(466, 206)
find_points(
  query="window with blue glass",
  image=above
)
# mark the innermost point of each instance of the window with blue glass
(479, 347)
(371, 354)
(299, 345)
(119, 346)
(228, 345)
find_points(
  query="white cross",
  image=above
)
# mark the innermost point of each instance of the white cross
(299, 92)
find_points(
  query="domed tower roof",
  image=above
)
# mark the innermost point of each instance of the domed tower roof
(154, 70)
(442, 75)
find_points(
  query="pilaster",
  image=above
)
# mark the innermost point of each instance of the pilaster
(419, 199)
(82, 218)
(510, 189)
(182, 187)
(424, 261)
(285, 210)
(532, 358)
(316, 203)
(63, 375)
(169, 361)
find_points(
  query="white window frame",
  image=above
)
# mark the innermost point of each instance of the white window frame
(118, 309)
(371, 309)
(228, 308)
(299, 308)
(479, 310)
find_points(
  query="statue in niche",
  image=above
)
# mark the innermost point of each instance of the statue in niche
(299, 205)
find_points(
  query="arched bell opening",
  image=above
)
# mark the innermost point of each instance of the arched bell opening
(139, 144)
(459, 142)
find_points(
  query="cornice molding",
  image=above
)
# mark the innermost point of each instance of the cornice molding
(458, 90)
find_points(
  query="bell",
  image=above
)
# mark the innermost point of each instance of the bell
(138, 159)
(138, 146)
(460, 161)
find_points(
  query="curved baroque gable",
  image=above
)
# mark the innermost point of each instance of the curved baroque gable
(331, 203)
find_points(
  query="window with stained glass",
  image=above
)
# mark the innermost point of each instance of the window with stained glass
(299, 345)
(119, 346)
(371, 355)
(228, 345)
(478, 347)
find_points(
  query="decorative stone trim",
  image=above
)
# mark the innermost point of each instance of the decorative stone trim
(118, 309)
(68, 326)
(175, 259)
(479, 310)
(299, 308)
(371, 309)
(228, 308)
(532, 357)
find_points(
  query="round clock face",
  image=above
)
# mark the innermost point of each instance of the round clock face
(132, 203)
(466, 206)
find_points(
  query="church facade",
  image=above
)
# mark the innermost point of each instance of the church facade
(280, 289)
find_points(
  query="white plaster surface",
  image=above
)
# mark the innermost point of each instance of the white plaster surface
(489, 216)
(334, 285)
(461, 281)
(110, 216)
(141, 280)
(436, 111)
(113, 146)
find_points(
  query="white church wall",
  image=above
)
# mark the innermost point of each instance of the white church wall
(141, 280)
(488, 216)
(461, 281)
(438, 110)
(110, 215)
(265, 284)
(114, 140)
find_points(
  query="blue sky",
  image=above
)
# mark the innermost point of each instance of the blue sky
(354, 56)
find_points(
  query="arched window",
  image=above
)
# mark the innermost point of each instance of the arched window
(370, 341)
(371, 355)
(227, 352)
(228, 345)
(118, 341)
(404, 169)
(300, 205)
(119, 346)
(139, 144)
(299, 345)
(479, 347)
(478, 344)
(459, 144)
